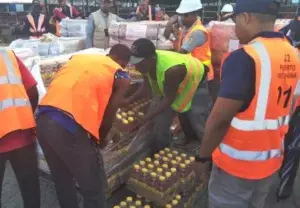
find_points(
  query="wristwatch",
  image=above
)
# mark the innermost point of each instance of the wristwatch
(202, 159)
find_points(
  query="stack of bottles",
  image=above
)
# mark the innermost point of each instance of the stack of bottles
(165, 174)
(133, 112)
(134, 202)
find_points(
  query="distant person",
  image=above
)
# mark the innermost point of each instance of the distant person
(144, 11)
(64, 11)
(161, 15)
(36, 24)
(98, 23)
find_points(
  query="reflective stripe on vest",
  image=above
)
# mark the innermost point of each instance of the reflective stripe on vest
(259, 122)
(7, 103)
(11, 78)
(250, 155)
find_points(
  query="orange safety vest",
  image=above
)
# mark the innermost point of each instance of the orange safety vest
(82, 90)
(39, 29)
(203, 52)
(253, 145)
(15, 108)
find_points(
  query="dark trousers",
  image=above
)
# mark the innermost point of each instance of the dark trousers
(25, 165)
(72, 156)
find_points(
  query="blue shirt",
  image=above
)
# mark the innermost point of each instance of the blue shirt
(66, 120)
(238, 74)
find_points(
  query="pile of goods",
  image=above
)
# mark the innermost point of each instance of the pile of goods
(224, 40)
(161, 178)
(134, 202)
(50, 45)
(25, 53)
(127, 32)
(73, 27)
(133, 73)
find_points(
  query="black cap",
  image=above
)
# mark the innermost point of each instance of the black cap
(295, 24)
(141, 48)
(270, 7)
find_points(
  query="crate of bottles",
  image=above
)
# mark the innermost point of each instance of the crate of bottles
(134, 202)
(125, 117)
(162, 177)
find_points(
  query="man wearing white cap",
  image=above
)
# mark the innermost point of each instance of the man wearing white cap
(226, 13)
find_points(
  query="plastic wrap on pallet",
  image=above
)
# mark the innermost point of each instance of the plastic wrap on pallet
(127, 32)
(73, 27)
(25, 53)
(54, 47)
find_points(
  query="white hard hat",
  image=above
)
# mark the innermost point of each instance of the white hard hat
(227, 8)
(187, 6)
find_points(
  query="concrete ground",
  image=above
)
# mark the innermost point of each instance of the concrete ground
(11, 197)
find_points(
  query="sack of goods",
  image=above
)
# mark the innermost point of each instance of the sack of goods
(50, 45)
(73, 27)
(127, 32)
(280, 23)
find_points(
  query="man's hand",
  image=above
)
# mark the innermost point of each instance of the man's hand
(202, 171)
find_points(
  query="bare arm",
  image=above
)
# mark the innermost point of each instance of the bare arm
(119, 90)
(150, 12)
(145, 89)
(218, 123)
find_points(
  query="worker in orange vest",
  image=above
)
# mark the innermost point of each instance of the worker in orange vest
(36, 23)
(18, 101)
(245, 130)
(74, 118)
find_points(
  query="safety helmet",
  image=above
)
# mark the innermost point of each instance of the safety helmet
(187, 6)
(227, 8)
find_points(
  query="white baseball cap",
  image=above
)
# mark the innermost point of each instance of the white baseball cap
(187, 6)
(228, 8)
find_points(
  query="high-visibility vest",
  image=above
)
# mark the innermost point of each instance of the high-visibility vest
(253, 145)
(39, 29)
(82, 89)
(203, 53)
(15, 108)
(188, 87)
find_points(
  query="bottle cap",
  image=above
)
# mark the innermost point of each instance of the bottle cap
(182, 165)
(139, 196)
(168, 174)
(187, 162)
(117, 206)
(124, 114)
(123, 204)
(144, 170)
(174, 202)
(156, 156)
(150, 166)
(173, 170)
(167, 149)
(192, 159)
(119, 116)
(165, 159)
(132, 206)
(165, 166)
(174, 162)
(153, 175)
(162, 178)
(138, 203)
(175, 152)
(129, 199)
(178, 197)
(142, 163)
(136, 167)
(183, 155)
(125, 121)
(178, 159)
(130, 119)
(168, 206)
(147, 206)
(156, 163)
(159, 170)
(148, 159)
(161, 152)
(169, 155)
(140, 113)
